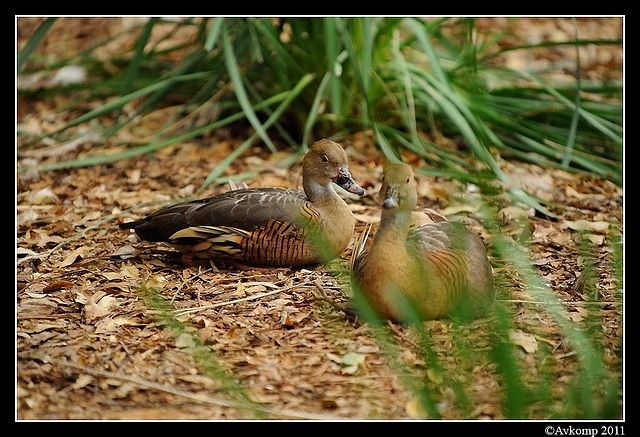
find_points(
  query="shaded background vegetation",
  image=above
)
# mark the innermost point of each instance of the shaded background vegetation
(408, 81)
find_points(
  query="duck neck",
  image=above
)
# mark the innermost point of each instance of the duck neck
(318, 193)
(394, 224)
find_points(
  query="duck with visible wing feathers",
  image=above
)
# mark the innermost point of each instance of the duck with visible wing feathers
(266, 226)
(420, 271)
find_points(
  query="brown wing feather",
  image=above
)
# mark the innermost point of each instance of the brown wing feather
(244, 209)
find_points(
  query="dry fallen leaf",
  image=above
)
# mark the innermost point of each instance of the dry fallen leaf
(73, 256)
(110, 324)
(598, 240)
(58, 285)
(82, 381)
(415, 409)
(124, 251)
(99, 305)
(527, 341)
(353, 359)
(457, 209)
(585, 225)
(511, 213)
(435, 375)
(45, 195)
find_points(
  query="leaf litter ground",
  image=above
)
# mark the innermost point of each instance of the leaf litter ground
(113, 328)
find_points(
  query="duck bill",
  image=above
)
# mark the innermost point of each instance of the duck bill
(344, 180)
(390, 199)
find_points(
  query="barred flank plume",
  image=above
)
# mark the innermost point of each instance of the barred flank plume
(276, 244)
(450, 266)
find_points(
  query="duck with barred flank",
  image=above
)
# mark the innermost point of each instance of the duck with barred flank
(266, 226)
(413, 272)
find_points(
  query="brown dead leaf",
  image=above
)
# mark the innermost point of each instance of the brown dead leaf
(457, 209)
(435, 375)
(59, 285)
(41, 238)
(130, 271)
(415, 409)
(585, 225)
(511, 213)
(45, 326)
(184, 340)
(548, 233)
(572, 192)
(72, 257)
(561, 238)
(439, 192)
(110, 324)
(293, 318)
(125, 251)
(598, 240)
(525, 340)
(82, 381)
(99, 305)
(532, 179)
(578, 315)
(43, 196)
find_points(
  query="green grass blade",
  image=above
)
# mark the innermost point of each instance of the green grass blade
(34, 41)
(217, 171)
(241, 94)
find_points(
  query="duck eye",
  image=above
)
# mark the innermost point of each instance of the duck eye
(408, 179)
(325, 158)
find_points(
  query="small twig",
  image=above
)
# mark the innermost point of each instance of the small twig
(396, 330)
(196, 276)
(183, 312)
(344, 307)
(172, 390)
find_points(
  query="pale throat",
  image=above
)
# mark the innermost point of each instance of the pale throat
(317, 193)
